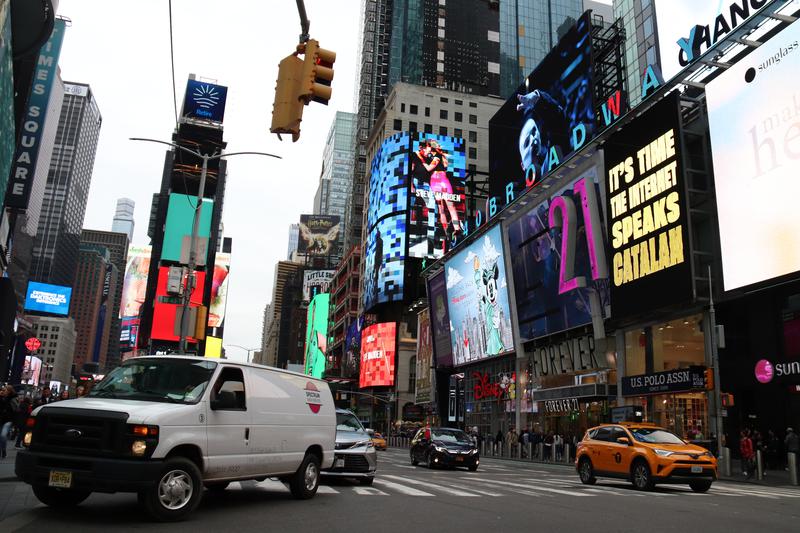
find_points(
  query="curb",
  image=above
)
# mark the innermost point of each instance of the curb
(8, 479)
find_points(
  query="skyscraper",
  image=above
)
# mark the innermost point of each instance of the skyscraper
(528, 31)
(95, 283)
(337, 171)
(641, 42)
(453, 46)
(117, 246)
(123, 218)
(55, 249)
(294, 239)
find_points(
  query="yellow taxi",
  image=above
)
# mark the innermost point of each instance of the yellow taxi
(644, 454)
(378, 441)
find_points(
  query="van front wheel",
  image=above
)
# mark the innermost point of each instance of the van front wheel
(305, 481)
(176, 493)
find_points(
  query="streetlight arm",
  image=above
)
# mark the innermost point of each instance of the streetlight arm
(179, 147)
(226, 154)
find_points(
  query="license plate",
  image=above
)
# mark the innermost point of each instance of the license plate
(338, 463)
(459, 459)
(61, 480)
(697, 470)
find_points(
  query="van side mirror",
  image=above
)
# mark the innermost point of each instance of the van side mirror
(371, 432)
(624, 440)
(224, 400)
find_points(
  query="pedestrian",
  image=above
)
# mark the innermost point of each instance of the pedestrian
(548, 446)
(792, 445)
(44, 399)
(64, 395)
(558, 442)
(773, 450)
(9, 403)
(511, 439)
(499, 437)
(747, 453)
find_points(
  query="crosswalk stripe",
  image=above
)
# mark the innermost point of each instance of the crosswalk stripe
(446, 490)
(545, 489)
(368, 491)
(325, 489)
(762, 493)
(402, 489)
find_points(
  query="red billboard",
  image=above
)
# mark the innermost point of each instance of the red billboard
(166, 306)
(378, 346)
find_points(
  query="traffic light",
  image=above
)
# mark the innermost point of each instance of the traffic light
(287, 110)
(201, 322)
(315, 84)
(708, 378)
(727, 399)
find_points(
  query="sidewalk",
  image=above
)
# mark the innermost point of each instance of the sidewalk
(7, 464)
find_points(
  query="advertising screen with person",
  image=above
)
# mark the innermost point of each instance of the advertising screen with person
(378, 347)
(219, 290)
(477, 293)
(317, 335)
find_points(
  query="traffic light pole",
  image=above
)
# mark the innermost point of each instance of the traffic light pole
(304, 22)
(190, 281)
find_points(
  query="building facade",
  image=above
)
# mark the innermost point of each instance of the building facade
(117, 246)
(641, 42)
(58, 344)
(55, 248)
(92, 309)
(123, 218)
(294, 239)
(344, 310)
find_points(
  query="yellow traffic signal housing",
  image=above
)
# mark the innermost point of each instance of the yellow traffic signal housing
(315, 83)
(287, 110)
(709, 378)
(201, 323)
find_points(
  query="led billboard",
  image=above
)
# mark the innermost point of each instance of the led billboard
(46, 298)
(316, 282)
(378, 346)
(478, 305)
(440, 320)
(178, 228)
(646, 213)
(753, 110)
(549, 116)
(437, 212)
(319, 235)
(557, 250)
(352, 347)
(205, 101)
(166, 306)
(134, 285)
(317, 335)
(424, 382)
(384, 262)
(219, 290)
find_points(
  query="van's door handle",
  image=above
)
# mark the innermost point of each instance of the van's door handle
(246, 433)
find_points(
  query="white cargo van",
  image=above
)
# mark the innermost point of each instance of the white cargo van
(165, 426)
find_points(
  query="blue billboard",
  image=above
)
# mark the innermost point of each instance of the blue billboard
(205, 101)
(47, 298)
(477, 300)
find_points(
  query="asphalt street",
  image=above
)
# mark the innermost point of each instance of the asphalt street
(500, 496)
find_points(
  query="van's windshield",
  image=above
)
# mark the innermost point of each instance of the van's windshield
(157, 380)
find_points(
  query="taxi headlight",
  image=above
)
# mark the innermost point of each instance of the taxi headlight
(708, 454)
(138, 448)
(662, 453)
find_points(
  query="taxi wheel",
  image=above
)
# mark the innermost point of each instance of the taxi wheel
(700, 486)
(641, 477)
(586, 472)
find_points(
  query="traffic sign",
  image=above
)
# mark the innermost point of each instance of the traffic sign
(33, 344)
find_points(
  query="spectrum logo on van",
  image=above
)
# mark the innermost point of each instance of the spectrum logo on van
(313, 397)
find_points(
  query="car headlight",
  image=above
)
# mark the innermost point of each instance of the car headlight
(708, 454)
(439, 449)
(138, 448)
(367, 443)
(473, 452)
(662, 453)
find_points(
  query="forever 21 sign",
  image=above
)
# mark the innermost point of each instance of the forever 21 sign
(678, 380)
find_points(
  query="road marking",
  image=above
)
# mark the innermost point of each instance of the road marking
(546, 489)
(442, 488)
(402, 489)
(325, 489)
(368, 491)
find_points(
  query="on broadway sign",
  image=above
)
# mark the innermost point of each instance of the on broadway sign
(678, 380)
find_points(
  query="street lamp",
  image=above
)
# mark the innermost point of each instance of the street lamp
(187, 294)
(248, 350)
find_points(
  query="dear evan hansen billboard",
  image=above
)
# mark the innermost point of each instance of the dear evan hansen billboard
(204, 101)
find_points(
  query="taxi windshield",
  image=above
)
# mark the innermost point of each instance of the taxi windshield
(655, 436)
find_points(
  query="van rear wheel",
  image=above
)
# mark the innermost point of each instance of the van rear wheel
(176, 491)
(305, 481)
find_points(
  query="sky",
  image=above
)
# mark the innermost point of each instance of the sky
(121, 49)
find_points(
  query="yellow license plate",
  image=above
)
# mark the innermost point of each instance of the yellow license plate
(61, 480)
(459, 459)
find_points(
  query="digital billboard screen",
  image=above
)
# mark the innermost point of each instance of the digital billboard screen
(316, 282)
(166, 306)
(646, 219)
(440, 320)
(378, 346)
(219, 289)
(319, 235)
(204, 101)
(541, 251)
(424, 383)
(352, 347)
(134, 285)
(549, 116)
(478, 302)
(47, 298)
(384, 261)
(317, 335)
(178, 228)
(753, 110)
(437, 211)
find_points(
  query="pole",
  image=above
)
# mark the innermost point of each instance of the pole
(304, 22)
(187, 294)
(712, 318)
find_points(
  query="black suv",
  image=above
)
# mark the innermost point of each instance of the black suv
(444, 447)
